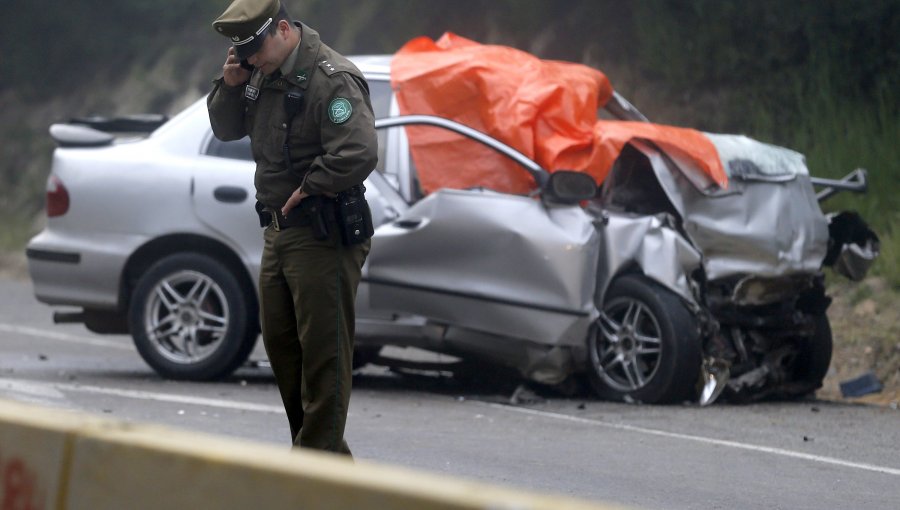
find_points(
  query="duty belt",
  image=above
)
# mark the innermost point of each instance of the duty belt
(297, 217)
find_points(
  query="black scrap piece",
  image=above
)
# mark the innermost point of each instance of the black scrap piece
(862, 385)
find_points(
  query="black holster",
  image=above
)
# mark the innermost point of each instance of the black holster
(353, 216)
(321, 213)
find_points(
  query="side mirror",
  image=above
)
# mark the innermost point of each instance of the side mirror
(569, 187)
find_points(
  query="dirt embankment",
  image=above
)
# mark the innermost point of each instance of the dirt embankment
(865, 322)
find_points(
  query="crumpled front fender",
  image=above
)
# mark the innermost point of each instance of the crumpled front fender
(651, 244)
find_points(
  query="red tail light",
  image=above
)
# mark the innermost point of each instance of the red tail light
(57, 197)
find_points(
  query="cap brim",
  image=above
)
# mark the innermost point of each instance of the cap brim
(246, 50)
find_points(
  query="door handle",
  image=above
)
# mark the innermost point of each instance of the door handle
(408, 223)
(230, 194)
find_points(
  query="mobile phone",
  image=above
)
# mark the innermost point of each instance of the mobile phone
(246, 65)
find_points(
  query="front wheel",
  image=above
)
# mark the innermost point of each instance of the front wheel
(814, 358)
(189, 318)
(645, 345)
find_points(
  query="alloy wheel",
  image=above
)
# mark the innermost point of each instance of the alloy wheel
(186, 317)
(627, 350)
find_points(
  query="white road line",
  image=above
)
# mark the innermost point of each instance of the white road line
(699, 439)
(31, 392)
(63, 337)
(246, 406)
(168, 397)
(53, 390)
(30, 388)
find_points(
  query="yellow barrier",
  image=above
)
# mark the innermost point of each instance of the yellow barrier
(33, 449)
(68, 461)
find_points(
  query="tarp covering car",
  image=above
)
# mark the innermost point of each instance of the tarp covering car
(545, 109)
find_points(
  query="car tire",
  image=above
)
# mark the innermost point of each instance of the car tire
(814, 357)
(190, 318)
(645, 345)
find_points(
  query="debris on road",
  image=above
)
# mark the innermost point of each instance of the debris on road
(524, 395)
(862, 385)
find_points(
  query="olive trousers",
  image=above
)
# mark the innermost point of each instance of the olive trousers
(307, 291)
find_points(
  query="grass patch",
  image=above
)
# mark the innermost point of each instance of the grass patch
(861, 293)
(887, 263)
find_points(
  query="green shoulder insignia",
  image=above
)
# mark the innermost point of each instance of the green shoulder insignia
(339, 110)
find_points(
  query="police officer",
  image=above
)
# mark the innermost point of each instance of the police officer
(307, 112)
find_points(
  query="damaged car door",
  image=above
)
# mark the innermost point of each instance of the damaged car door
(488, 273)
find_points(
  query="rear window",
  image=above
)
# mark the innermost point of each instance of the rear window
(236, 149)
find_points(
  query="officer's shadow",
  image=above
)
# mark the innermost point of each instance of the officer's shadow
(411, 370)
(462, 378)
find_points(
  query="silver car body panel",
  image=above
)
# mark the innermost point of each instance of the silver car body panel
(652, 244)
(526, 282)
(56, 283)
(767, 223)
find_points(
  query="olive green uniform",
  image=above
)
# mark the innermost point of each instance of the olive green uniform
(307, 286)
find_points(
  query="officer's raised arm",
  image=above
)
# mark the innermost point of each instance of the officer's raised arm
(225, 104)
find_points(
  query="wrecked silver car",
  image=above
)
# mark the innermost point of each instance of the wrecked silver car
(663, 288)
(658, 287)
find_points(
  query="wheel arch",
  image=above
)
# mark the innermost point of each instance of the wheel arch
(157, 249)
(633, 267)
(679, 284)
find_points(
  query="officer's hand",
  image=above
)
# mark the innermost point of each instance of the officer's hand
(232, 71)
(293, 200)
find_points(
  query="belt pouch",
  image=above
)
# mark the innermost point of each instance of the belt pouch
(354, 217)
(264, 217)
(321, 213)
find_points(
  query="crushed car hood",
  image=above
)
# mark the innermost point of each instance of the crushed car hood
(767, 223)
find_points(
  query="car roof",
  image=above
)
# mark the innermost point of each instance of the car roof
(372, 64)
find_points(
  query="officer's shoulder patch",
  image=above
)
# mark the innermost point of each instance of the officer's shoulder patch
(331, 67)
(328, 66)
(339, 110)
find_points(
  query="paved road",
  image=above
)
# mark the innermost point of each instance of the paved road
(779, 455)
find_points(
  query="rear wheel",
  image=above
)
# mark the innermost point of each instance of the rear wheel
(189, 318)
(645, 346)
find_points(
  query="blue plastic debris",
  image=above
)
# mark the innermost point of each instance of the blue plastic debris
(862, 385)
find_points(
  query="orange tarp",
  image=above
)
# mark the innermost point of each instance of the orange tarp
(545, 109)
